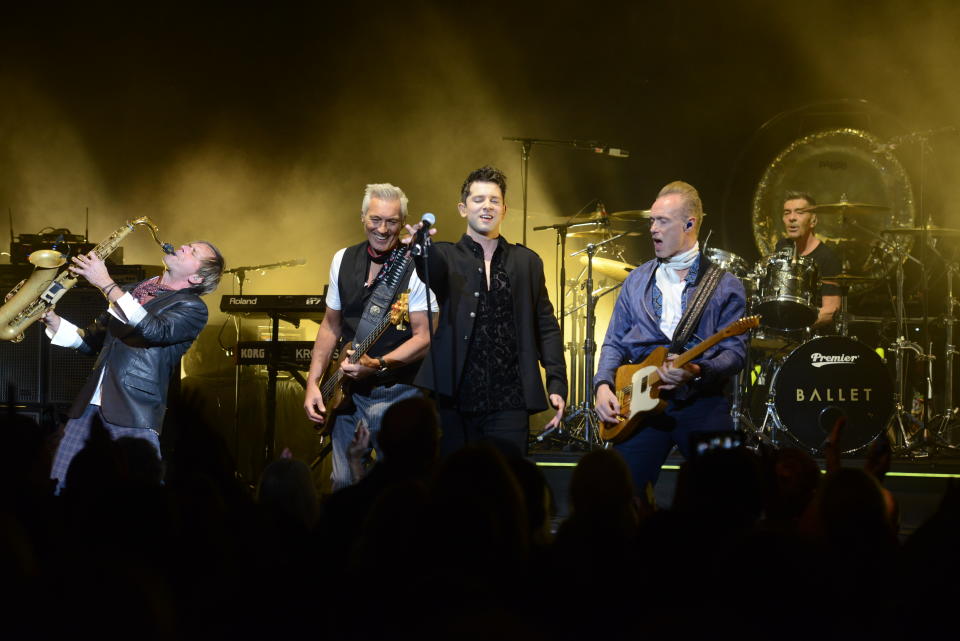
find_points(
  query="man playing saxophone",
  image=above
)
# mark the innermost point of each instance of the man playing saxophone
(138, 341)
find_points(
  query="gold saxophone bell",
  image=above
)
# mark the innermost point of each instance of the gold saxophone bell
(29, 300)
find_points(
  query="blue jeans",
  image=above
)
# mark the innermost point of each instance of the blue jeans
(650, 445)
(370, 410)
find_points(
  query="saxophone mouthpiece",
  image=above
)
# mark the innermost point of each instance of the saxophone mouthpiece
(167, 248)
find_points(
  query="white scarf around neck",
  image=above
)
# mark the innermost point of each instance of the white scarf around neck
(671, 287)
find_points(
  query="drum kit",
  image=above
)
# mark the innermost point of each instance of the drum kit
(798, 379)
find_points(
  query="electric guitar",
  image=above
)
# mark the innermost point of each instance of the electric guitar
(638, 385)
(333, 387)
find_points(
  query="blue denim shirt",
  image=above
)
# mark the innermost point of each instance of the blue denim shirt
(634, 329)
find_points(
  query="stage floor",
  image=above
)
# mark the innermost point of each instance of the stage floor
(918, 484)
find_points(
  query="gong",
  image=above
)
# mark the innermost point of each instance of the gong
(838, 166)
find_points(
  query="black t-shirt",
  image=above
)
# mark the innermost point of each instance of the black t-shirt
(828, 264)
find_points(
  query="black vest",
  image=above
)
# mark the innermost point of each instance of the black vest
(354, 298)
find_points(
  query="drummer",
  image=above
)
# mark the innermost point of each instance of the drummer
(800, 224)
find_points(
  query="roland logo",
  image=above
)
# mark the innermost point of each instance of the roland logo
(313, 300)
(243, 300)
(819, 360)
(253, 352)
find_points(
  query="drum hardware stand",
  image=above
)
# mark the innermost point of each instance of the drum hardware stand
(901, 417)
(933, 436)
(582, 426)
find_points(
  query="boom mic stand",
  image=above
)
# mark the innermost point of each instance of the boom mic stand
(240, 273)
(527, 143)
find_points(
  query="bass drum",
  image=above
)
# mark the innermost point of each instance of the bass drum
(835, 373)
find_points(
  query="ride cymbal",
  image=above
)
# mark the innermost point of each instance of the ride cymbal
(933, 230)
(845, 207)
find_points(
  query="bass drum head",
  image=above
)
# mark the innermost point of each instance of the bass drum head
(838, 373)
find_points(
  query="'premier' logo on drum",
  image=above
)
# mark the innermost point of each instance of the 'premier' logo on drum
(819, 360)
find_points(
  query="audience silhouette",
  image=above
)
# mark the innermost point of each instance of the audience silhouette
(757, 543)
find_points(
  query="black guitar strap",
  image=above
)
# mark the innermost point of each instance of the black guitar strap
(384, 293)
(698, 302)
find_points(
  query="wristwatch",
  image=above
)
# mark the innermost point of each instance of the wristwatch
(383, 364)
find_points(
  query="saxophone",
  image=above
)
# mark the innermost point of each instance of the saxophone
(28, 301)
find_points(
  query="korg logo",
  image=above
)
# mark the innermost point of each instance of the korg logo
(304, 354)
(819, 360)
(241, 300)
(253, 352)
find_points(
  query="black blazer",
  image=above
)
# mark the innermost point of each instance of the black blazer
(140, 360)
(456, 275)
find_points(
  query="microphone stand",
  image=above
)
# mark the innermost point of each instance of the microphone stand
(562, 242)
(240, 274)
(527, 143)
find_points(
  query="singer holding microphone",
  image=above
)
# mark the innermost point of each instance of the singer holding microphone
(800, 223)
(496, 327)
(358, 295)
(138, 341)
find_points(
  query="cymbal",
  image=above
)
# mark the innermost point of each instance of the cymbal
(845, 207)
(611, 268)
(848, 279)
(598, 233)
(933, 230)
(634, 215)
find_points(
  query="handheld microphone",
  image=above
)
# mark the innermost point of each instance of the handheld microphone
(423, 234)
(168, 248)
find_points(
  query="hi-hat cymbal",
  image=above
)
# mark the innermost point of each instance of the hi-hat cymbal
(611, 268)
(845, 207)
(933, 230)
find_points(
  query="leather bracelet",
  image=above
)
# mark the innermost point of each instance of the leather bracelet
(106, 292)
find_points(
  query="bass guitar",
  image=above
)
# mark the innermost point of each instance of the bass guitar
(334, 388)
(638, 385)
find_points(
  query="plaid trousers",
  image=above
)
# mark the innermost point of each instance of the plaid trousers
(75, 436)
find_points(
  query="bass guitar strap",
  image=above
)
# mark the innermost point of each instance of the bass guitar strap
(383, 294)
(698, 302)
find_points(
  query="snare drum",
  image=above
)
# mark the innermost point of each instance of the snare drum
(832, 372)
(789, 288)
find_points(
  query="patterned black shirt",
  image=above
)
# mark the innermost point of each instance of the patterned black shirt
(491, 374)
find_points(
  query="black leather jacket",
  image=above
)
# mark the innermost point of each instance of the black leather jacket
(139, 361)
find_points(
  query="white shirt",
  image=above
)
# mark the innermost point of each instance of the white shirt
(418, 291)
(126, 309)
